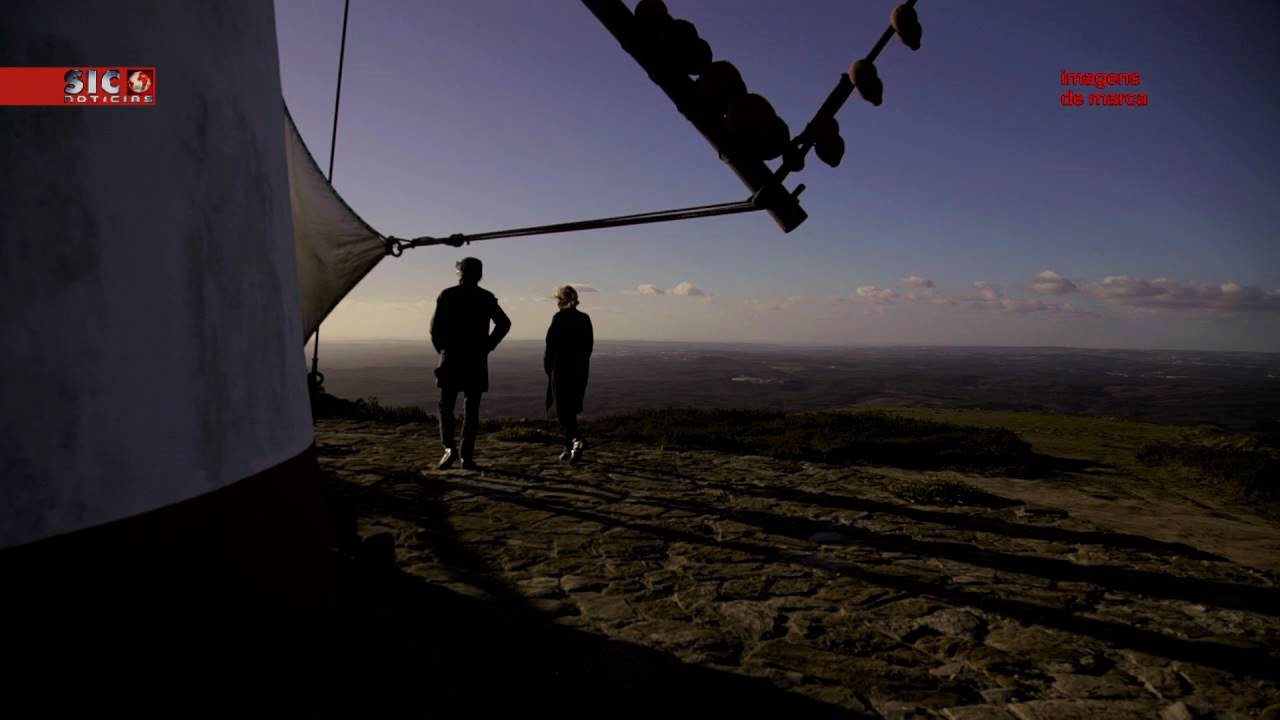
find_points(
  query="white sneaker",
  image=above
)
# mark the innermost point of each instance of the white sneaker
(449, 458)
(576, 453)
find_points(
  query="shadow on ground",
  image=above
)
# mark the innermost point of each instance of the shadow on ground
(387, 645)
(977, 523)
(1234, 658)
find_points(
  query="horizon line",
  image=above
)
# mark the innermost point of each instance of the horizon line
(821, 346)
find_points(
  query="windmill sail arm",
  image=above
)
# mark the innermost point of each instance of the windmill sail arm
(782, 206)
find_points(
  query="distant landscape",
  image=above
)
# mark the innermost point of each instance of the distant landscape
(1226, 389)
(986, 528)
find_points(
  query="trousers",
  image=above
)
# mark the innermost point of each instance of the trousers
(569, 423)
(470, 421)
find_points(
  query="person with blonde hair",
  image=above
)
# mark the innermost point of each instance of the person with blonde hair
(567, 364)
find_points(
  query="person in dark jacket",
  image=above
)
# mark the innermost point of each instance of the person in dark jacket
(460, 334)
(567, 364)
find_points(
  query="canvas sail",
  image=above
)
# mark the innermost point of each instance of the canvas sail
(335, 248)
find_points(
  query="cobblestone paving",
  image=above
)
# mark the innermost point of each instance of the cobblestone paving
(824, 582)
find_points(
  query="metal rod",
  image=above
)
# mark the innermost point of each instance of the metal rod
(835, 100)
(785, 209)
(395, 245)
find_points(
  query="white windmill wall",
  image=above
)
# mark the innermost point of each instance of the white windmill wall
(149, 314)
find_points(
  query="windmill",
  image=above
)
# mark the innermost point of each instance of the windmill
(163, 265)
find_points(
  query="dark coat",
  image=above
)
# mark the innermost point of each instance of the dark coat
(567, 361)
(460, 333)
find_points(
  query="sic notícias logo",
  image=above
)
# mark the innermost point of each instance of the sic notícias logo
(109, 86)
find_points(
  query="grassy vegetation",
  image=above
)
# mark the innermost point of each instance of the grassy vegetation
(831, 437)
(1246, 465)
(1104, 441)
(1240, 465)
(329, 406)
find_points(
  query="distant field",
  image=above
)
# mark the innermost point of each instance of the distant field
(1232, 390)
(1108, 441)
(1235, 465)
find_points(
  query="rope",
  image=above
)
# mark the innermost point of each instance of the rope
(316, 376)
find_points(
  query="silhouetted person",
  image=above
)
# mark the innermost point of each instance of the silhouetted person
(460, 333)
(567, 363)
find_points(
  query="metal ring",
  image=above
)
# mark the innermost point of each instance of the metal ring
(394, 247)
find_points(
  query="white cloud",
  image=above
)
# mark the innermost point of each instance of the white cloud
(583, 287)
(1023, 306)
(1051, 283)
(988, 290)
(877, 295)
(684, 289)
(916, 281)
(991, 297)
(1162, 293)
(687, 289)
(1034, 306)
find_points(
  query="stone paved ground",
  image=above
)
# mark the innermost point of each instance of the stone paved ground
(827, 582)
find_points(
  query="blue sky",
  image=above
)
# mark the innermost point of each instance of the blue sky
(1159, 222)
